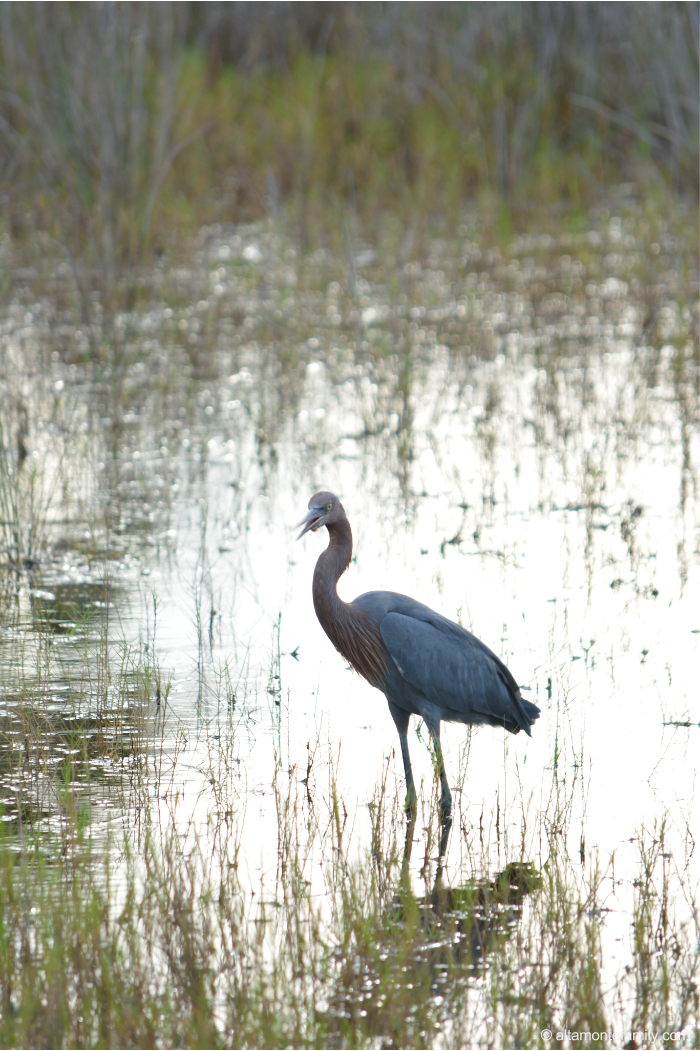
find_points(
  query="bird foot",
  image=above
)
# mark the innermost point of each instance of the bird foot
(445, 829)
(445, 812)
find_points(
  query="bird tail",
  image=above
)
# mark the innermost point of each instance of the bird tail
(527, 713)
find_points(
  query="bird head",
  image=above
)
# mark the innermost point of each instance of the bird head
(324, 509)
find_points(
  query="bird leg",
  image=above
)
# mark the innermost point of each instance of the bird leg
(411, 796)
(445, 829)
(408, 844)
(445, 794)
(445, 808)
(401, 719)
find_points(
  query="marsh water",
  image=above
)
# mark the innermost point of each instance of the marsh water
(513, 432)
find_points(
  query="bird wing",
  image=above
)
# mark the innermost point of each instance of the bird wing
(454, 670)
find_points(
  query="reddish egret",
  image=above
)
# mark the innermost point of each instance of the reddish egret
(423, 663)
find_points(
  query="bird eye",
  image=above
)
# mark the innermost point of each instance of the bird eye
(329, 507)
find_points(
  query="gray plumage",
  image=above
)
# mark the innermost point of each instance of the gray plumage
(425, 664)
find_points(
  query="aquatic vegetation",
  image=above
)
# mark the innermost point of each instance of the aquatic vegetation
(203, 836)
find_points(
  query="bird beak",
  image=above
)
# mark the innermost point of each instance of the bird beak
(309, 521)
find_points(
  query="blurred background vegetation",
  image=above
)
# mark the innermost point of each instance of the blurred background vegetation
(124, 126)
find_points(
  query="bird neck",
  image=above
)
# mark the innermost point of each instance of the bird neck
(330, 567)
(350, 629)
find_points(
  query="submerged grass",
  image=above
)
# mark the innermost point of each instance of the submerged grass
(162, 946)
(79, 706)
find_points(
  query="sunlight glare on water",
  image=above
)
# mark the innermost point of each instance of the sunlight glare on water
(581, 592)
(511, 449)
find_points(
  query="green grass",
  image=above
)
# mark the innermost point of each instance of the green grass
(156, 946)
(123, 135)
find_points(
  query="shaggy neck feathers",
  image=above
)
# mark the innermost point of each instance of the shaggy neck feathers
(350, 629)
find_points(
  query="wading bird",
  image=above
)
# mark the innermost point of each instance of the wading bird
(422, 662)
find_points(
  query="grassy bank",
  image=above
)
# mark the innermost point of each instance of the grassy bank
(126, 127)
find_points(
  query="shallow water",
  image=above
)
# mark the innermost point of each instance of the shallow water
(514, 437)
